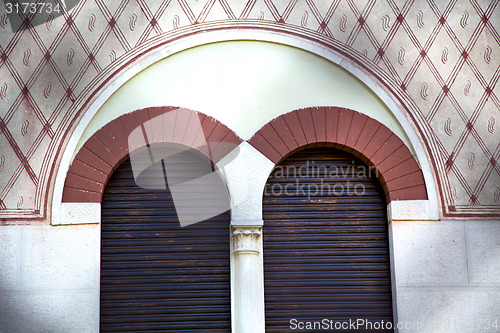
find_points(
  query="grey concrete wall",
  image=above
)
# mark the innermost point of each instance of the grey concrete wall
(49, 278)
(447, 275)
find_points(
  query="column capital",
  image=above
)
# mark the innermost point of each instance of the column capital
(246, 239)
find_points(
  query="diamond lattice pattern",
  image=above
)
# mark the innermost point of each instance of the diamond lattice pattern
(440, 59)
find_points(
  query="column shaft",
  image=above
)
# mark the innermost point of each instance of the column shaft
(247, 280)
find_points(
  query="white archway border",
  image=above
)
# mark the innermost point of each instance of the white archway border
(62, 213)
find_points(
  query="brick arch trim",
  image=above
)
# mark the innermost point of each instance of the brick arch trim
(104, 151)
(353, 132)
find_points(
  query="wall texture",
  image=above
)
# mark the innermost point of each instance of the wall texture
(438, 60)
(446, 275)
(49, 278)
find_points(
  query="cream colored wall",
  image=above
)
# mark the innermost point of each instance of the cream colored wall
(244, 84)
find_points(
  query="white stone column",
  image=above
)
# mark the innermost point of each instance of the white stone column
(246, 170)
(247, 281)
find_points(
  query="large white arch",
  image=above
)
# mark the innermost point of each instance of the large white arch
(408, 134)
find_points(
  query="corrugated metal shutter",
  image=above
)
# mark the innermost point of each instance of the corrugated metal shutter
(326, 254)
(155, 275)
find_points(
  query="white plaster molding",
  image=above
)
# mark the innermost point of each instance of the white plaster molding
(79, 213)
(247, 223)
(246, 170)
(409, 210)
(392, 263)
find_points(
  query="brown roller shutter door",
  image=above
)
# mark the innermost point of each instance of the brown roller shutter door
(326, 252)
(155, 275)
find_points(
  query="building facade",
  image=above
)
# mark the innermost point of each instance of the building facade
(407, 89)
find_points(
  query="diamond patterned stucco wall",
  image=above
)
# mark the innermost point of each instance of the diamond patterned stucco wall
(439, 59)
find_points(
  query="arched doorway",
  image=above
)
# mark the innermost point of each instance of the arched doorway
(326, 248)
(155, 274)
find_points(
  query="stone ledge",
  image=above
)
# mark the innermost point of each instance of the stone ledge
(408, 210)
(79, 213)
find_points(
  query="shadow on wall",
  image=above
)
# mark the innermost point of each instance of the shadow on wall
(42, 312)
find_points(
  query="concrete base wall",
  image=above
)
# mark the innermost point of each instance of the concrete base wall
(49, 278)
(447, 275)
